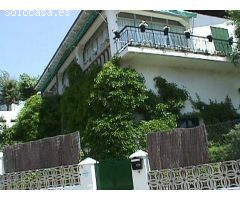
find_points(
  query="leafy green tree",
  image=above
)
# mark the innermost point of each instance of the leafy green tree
(117, 90)
(119, 95)
(171, 95)
(215, 113)
(39, 118)
(235, 17)
(111, 136)
(26, 86)
(27, 124)
(9, 90)
(116, 95)
(233, 142)
(4, 76)
(228, 148)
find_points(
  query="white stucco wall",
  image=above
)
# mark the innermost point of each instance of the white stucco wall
(208, 84)
(1, 164)
(205, 20)
(206, 30)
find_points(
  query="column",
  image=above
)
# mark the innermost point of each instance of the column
(140, 169)
(88, 175)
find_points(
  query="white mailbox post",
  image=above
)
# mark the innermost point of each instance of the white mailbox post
(1, 164)
(140, 169)
(88, 175)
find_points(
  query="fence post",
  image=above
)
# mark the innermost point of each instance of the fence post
(88, 175)
(1, 164)
(140, 169)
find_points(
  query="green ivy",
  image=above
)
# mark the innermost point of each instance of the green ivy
(118, 96)
(215, 113)
(75, 100)
(104, 104)
(171, 95)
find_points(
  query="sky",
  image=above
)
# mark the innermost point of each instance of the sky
(27, 43)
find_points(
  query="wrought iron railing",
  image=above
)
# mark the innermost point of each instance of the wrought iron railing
(222, 175)
(153, 38)
(50, 178)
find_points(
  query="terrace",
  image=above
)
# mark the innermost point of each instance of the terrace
(131, 36)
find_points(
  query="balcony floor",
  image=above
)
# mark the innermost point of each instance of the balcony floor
(171, 58)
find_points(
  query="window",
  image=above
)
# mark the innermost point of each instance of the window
(96, 44)
(222, 34)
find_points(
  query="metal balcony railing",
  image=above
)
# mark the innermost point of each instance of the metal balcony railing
(153, 38)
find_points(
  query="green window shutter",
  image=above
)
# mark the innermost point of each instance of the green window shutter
(222, 34)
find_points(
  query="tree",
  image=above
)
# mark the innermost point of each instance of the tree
(233, 143)
(117, 93)
(9, 93)
(26, 86)
(235, 18)
(114, 129)
(39, 118)
(4, 76)
(27, 124)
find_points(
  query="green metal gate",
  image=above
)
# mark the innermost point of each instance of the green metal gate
(114, 175)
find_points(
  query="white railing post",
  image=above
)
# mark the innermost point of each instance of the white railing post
(88, 175)
(140, 169)
(1, 164)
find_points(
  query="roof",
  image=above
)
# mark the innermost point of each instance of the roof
(214, 13)
(180, 13)
(70, 41)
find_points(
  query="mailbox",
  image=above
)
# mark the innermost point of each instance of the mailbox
(137, 163)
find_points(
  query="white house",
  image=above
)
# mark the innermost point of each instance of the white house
(196, 60)
(8, 118)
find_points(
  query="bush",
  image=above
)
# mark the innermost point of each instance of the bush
(119, 95)
(233, 141)
(216, 113)
(112, 136)
(116, 96)
(27, 124)
(218, 152)
(117, 90)
(153, 126)
(39, 118)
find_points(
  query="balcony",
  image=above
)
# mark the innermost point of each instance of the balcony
(161, 47)
(152, 38)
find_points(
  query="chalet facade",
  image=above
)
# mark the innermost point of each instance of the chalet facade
(187, 48)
